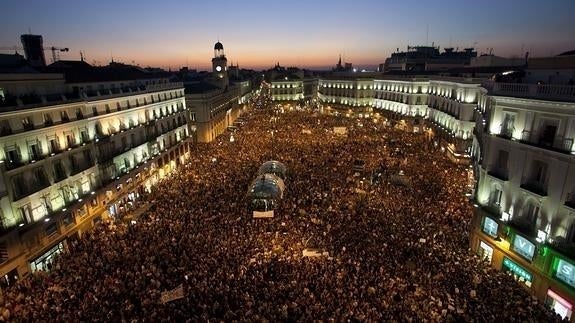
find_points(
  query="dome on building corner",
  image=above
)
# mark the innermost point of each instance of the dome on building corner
(218, 46)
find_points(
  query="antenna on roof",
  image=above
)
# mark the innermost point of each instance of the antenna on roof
(29, 31)
(81, 56)
(427, 36)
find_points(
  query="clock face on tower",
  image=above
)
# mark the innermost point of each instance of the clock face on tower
(218, 68)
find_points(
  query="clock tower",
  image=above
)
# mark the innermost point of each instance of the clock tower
(220, 65)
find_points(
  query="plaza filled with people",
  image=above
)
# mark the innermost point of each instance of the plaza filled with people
(387, 247)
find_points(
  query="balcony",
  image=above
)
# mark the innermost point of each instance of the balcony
(78, 167)
(558, 144)
(570, 200)
(523, 226)
(493, 210)
(108, 153)
(499, 172)
(535, 187)
(14, 163)
(31, 187)
(59, 175)
(505, 132)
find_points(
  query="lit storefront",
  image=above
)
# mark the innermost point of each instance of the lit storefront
(43, 262)
(547, 273)
(560, 305)
(485, 252)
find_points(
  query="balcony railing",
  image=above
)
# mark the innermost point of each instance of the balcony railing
(493, 209)
(499, 172)
(535, 187)
(559, 143)
(544, 91)
(505, 132)
(524, 226)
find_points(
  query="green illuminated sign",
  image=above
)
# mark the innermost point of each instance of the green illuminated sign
(565, 272)
(509, 265)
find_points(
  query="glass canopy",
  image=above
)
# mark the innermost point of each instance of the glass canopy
(273, 167)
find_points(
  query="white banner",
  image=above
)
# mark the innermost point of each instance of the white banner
(172, 295)
(264, 214)
(340, 130)
(314, 253)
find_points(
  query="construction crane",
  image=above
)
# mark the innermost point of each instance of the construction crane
(55, 50)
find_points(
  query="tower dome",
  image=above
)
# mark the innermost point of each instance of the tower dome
(218, 46)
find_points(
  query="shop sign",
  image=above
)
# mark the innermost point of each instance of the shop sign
(523, 247)
(565, 272)
(490, 227)
(511, 266)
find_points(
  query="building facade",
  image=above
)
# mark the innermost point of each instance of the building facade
(215, 103)
(524, 220)
(75, 154)
(444, 107)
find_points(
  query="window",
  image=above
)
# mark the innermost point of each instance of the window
(59, 173)
(54, 145)
(70, 140)
(68, 219)
(531, 213)
(34, 150)
(87, 156)
(3, 252)
(94, 111)
(40, 176)
(26, 211)
(5, 128)
(73, 163)
(84, 135)
(495, 197)
(13, 154)
(48, 119)
(502, 158)
(64, 116)
(108, 108)
(127, 163)
(547, 135)
(538, 172)
(27, 123)
(51, 229)
(19, 187)
(79, 114)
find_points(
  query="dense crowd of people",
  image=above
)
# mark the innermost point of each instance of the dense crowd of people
(390, 251)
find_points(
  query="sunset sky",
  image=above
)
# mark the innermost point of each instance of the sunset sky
(257, 34)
